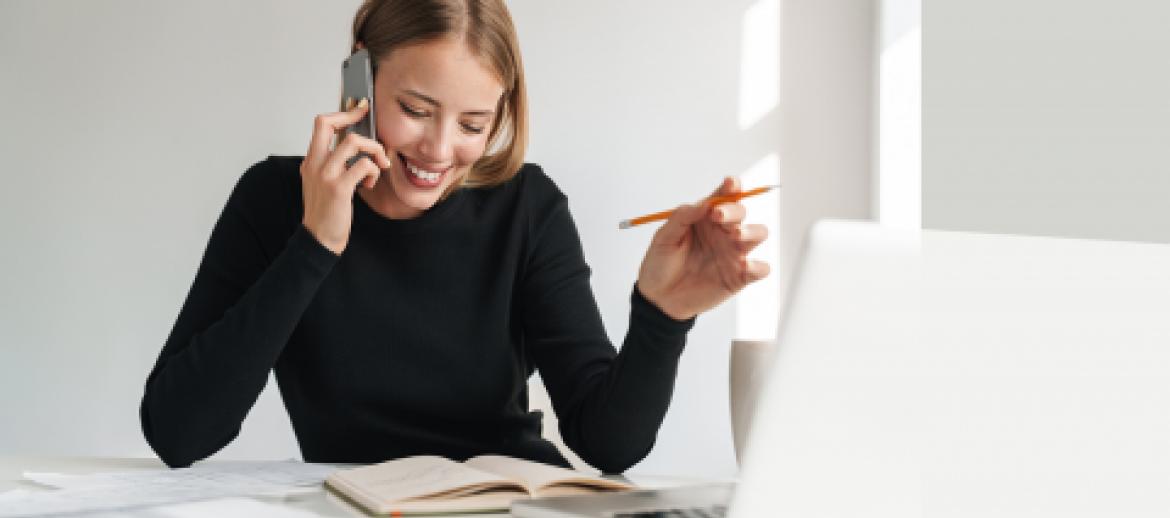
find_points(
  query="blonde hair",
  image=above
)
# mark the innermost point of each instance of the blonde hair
(486, 27)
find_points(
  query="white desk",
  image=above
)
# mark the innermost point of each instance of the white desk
(321, 503)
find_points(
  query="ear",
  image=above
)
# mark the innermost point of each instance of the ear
(358, 46)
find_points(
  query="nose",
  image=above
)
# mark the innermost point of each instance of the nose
(437, 144)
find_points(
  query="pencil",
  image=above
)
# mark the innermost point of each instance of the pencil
(713, 200)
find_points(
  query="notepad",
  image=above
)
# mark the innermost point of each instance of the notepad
(432, 484)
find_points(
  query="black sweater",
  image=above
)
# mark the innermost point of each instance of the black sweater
(418, 339)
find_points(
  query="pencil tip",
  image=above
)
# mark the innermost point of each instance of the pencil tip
(624, 224)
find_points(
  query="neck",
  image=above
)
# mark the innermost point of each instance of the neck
(383, 200)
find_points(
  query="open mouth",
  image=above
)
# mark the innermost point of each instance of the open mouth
(420, 177)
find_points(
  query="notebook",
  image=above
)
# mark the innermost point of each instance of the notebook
(433, 484)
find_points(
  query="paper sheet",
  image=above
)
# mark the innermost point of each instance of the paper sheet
(249, 476)
(236, 507)
(126, 489)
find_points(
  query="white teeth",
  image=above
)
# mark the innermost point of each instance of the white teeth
(425, 175)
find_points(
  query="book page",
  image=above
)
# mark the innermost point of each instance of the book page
(545, 480)
(380, 486)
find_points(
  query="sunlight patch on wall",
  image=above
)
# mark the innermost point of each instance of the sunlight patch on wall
(757, 307)
(759, 66)
(899, 186)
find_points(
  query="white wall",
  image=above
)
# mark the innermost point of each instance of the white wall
(1047, 117)
(125, 125)
(827, 98)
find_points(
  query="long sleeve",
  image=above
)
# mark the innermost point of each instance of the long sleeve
(245, 302)
(419, 340)
(610, 405)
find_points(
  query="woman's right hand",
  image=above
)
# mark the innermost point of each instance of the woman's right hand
(327, 184)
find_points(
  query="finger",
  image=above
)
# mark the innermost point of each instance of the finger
(679, 224)
(729, 185)
(755, 271)
(753, 233)
(748, 237)
(362, 172)
(326, 125)
(720, 245)
(351, 145)
(729, 213)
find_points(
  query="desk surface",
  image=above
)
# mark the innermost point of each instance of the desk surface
(320, 502)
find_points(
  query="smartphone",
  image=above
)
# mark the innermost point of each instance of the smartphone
(357, 82)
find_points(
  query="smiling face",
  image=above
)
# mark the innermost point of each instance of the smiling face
(435, 103)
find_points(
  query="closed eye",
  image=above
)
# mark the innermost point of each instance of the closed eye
(411, 111)
(418, 114)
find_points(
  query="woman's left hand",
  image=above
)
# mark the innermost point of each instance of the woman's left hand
(698, 259)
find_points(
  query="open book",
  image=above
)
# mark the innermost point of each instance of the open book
(431, 484)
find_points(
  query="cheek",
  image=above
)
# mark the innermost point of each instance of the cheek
(395, 130)
(468, 152)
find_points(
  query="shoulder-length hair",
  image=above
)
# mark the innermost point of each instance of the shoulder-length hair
(486, 27)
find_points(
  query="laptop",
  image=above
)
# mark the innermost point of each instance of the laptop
(935, 373)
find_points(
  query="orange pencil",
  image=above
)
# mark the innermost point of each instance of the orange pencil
(713, 200)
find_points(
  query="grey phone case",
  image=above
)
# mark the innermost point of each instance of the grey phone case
(357, 80)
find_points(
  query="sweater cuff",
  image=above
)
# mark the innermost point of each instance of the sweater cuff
(645, 312)
(303, 243)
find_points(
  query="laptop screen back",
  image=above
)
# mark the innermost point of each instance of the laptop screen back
(958, 374)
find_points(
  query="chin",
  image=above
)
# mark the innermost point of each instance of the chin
(421, 202)
(421, 199)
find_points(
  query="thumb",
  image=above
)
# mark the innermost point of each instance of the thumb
(729, 185)
(679, 223)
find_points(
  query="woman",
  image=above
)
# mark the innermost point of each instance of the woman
(405, 300)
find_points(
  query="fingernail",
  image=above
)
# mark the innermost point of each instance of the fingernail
(362, 103)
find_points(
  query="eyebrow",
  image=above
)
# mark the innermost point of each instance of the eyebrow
(437, 105)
